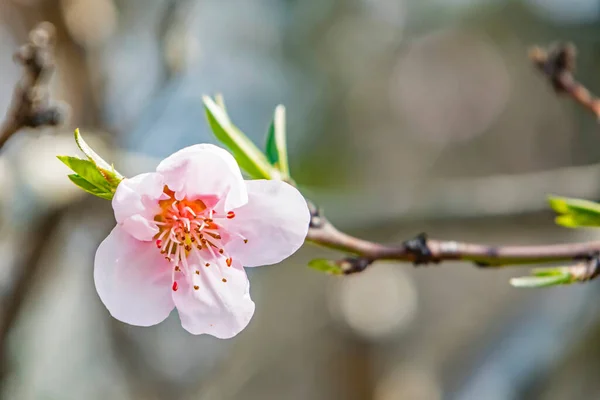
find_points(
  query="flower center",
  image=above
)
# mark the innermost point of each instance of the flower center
(191, 229)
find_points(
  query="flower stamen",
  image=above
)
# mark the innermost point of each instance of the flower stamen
(187, 227)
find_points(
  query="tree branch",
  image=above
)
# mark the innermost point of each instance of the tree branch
(27, 269)
(30, 106)
(558, 64)
(422, 250)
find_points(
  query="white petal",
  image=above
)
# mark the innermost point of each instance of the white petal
(275, 222)
(133, 280)
(136, 203)
(219, 308)
(204, 170)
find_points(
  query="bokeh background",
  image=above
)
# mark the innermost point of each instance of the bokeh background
(404, 116)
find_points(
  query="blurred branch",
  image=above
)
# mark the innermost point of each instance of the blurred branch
(30, 106)
(421, 250)
(26, 269)
(558, 64)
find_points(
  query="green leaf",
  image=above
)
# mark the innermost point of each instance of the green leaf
(221, 103)
(575, 212)
(324, 265)
(549, 271)
(88, 177)
(88, 171)
(541, 281)
(276, 147)
(270, 147)
(107, 170)
(248, 156)
(90, 188)
(543, 277)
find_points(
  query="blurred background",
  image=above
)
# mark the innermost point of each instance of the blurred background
(404, 116)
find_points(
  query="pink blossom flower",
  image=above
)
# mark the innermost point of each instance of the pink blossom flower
(184, 234)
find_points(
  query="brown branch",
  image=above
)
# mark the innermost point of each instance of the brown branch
(422, 250)
(30, 106)
(26, 269)
(558, 64)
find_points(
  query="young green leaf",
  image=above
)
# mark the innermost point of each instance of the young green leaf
(221, 103)
(107, 170)
(90, 188)
(248, 156)
(575, 213)
(324, 265)
(553, 271)
(270, 147)
(276, 147)
(542, 281)
(87, 170)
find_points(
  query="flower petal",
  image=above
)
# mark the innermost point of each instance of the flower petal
(275, 222)
(204, 170)
(136, 203)
(133, 280)
(221, 306)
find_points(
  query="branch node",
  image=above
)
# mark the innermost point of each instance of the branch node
(557, 63)
(589, 270)
(31, 106)
(352, 265)
(316, 215)
(418, 248)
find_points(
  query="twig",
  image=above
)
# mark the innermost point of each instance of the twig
(30, 106)
(422, 250)
(558, 64)
(585, 271)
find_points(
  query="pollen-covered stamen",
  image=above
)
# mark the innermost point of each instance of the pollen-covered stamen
(230, 215)
(188, 228)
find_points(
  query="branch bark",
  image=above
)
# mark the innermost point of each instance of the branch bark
(421, 250)
(27, 270)
(558, 64)
(30, 106)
